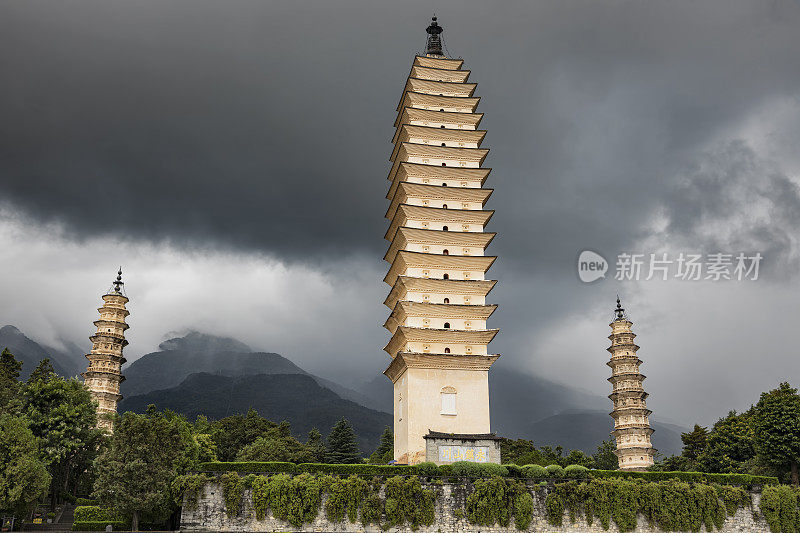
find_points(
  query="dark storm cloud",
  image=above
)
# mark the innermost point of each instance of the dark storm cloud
(265, 125)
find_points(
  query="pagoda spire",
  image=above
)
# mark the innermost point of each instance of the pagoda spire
(434, 45)
(630, 413)
(104, 373)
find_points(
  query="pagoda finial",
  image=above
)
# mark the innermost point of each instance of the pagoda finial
(118, 282)
(619, 310)
(434, 46)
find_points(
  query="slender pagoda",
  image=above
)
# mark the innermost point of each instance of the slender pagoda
(104, 373)
(631, 424)
(437, 274)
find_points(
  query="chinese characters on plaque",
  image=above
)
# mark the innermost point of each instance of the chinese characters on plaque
(451, 454)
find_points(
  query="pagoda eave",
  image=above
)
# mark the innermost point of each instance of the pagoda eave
(405, 360)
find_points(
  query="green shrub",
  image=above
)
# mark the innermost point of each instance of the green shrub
(249, 466)
(493, 469)
(88, 525)
(745, 480)
(186, 489)
(357, 469)
(476, 470)
(86, 501)
(554, 471)
(523, 510)
(445, 470)
(407, 502)
(779, 505)
(514, 471)
(427, 469)
(576, 472)
(346, 496)
(233, 486)
(293, 499)
(96, 513)
(534, 472)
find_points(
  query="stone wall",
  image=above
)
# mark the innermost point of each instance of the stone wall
(209, 515)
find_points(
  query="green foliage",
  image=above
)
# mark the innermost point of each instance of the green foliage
(605, 458)
(475, 470)
(233, 486)
(670, 505)
(116, 525)
(694, 442)
(534, 472)
(745, 480)
(576, 472)
(23, 475)
(186, 489)
(427, 468)
(315, 447)
(277, 445)
(408, 502)
(730, 446)
(253, 467)
(777, 429)
(345, 496)
(43, 371)
(554, 471)
(96, 513)
(360, 469)
(342, 445)
(86, 501)
(9, 382)
(385, 450)
(496, 500)
(136, 470)
(779, 505)
(233, 433)
(294, 499)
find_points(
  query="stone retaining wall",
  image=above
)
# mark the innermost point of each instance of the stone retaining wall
(209, 515)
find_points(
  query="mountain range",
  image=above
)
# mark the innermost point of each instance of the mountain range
(218, 376)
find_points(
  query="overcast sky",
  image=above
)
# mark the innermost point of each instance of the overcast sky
(232, 157)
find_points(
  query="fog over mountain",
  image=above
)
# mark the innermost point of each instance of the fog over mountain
(232, 157)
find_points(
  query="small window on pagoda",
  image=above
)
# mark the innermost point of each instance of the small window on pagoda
(444, 206)
(448, 401)
(444, 228)
(445, 252)
(442, 126)
(447, 325)
(447, 350)
(443, 144)
(446, 276)
(425, 297)
(441, 109)
(444, 164)
(444, 184)
(447, 300)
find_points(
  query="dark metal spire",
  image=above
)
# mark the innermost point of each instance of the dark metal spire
(619, 310)
(118, 282)
(434, 46)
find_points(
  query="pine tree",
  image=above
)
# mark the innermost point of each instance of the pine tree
(315, 447)
(694, 442)
(44, 370)
(385, 451)
(9, 382)
(605, 458)
(342, 445)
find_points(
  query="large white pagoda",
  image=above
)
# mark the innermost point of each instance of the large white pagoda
(437, 274)
(631, 416)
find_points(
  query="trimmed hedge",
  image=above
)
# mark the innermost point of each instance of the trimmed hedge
(695, 477)
(479, 470)
(89, 525)
(86, 501)
(95, 513)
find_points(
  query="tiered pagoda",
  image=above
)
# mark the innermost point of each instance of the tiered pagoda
(104, 373)
(631, 423)
(437, 273)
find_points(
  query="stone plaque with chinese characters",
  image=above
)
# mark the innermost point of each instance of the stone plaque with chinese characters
(451, 454)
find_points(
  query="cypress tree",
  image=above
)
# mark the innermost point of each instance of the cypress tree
(342, 445)
(385, 451)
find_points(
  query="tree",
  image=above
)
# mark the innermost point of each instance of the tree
(384, 453)
(44, 370)
(62, 415)
(233, 433)
(23, 475)
(605, 458)
(777, 429)
(9, 381)
(315, 447)
(342, 445)
(730, 445)
(135, 471)
(694, 442)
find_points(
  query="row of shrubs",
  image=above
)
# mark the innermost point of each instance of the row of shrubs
(466, 469)
(99, 525)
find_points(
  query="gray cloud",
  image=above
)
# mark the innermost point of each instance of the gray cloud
(263, 128)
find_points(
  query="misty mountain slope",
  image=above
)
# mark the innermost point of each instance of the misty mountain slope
(297, 398)
(198, 352)
(585, 430)
(30, 353)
